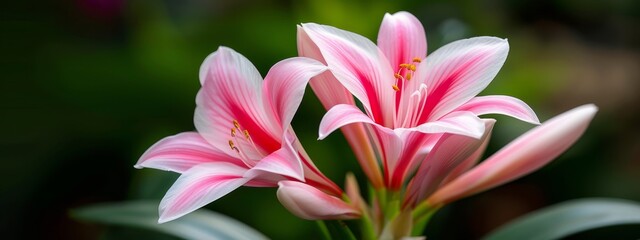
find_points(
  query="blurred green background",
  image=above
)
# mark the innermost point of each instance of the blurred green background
(88, 85)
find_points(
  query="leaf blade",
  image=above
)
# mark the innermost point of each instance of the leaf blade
(568, 218)
(201, 224)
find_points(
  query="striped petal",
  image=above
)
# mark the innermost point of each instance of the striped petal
(360, 66)
(180, 152)
(498, 104)
(309, 203)
(232, 91)
(285, 83)
(526, 154)
(198, 187)
(330, 93)
(449, 152)
(458, 71)
(461, 123)
(402, 38)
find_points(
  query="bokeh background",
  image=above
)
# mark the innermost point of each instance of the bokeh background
(88, 85)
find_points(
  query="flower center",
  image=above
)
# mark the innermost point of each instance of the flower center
(405, 72)
(243, 144)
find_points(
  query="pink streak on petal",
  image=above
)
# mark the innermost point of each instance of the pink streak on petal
(448, 153)
(326, 87)
(459, 71)
(472, 160)
(402, 38)
(360, 66)
(461, 123)
(499, 104)
(283, 162)
(180, 152)
(330, 93)
(526, 154)
(285, 84)
(341, 115)
(232, 91)
(410, 157)
(310, 203)
(198, 187)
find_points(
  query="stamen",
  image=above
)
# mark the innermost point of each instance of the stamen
(395, 87)
(417, 60)
(412, 67)
(408, 76)
(397, 75)
(233, 146)
(233, 132)
(246, 134)
(404, 65)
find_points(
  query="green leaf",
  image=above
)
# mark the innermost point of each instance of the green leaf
(201, 224)
(568, 218)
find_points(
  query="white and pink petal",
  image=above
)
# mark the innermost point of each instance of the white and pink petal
(199, 186)
(500, 104)
(232, 91)
(402, 38)
(458, 71)
(360, 66)
(182, 151)
(527, 153)
(309, 203)
(285, 84)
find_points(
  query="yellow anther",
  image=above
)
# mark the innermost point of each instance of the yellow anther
(236, 124)
(233, 132)
(417, 60)
(246, 134)
(395, 87)
(397, 75)
(412, 67)
(233, 146)
(404, 65)
(408, 76)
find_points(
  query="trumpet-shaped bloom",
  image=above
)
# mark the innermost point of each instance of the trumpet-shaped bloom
(243, 134)
(406, 94)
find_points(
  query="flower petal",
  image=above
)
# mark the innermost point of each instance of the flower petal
(232, 90)
(330, 93)
(460, 122)
(360, 66)
(526, 154)
(310, 203)
(341, 115)
(498, 104)
(180, 152)
(199, 186)
(459, 71)
(285, 84)
(325, 86)
(283, 162)
(448, 153)
(473, 159)
(402, 38)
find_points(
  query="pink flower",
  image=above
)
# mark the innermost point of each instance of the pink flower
(409, 100)
(243, 134)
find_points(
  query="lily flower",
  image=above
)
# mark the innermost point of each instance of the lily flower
(243, 134)
(410, 99)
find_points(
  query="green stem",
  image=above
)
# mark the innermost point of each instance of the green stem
(339, 230)
(421, 215)
(368, 231)
(324, 230)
